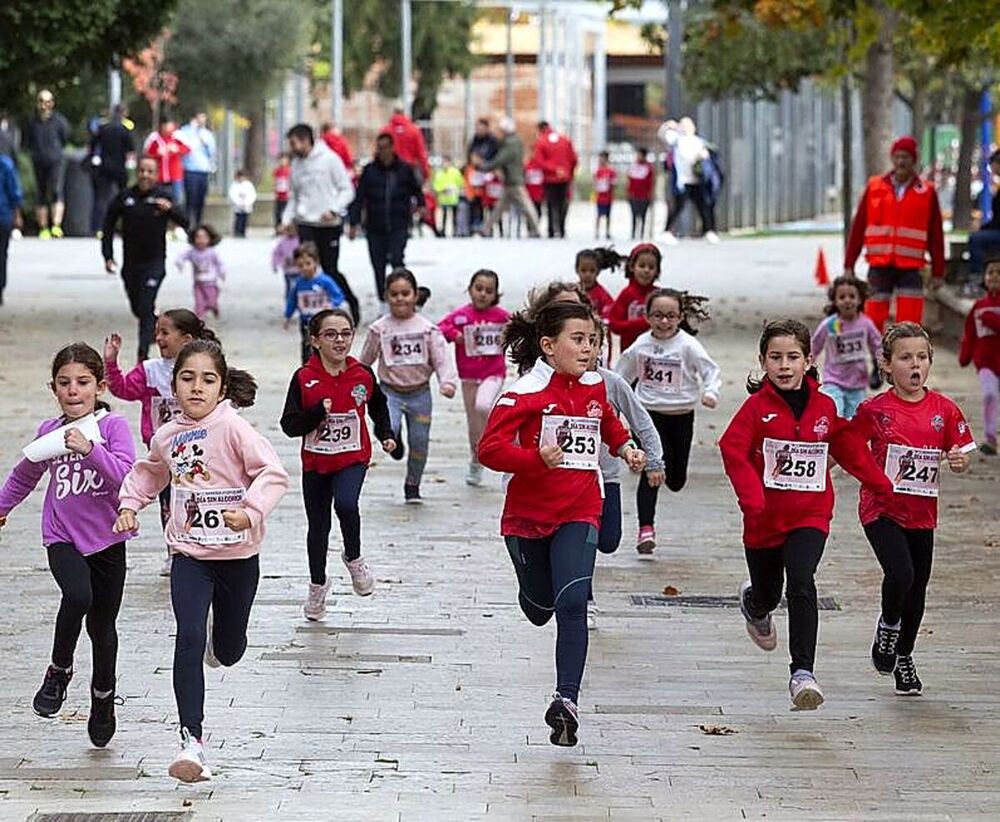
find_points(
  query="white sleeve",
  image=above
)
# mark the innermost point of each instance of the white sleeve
(342, 185)
(627, 367)
(708, 370)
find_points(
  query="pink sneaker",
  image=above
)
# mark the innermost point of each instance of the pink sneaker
(361, 577)
(647, 540)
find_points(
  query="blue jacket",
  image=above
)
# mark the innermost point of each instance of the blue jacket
(10, 191)
(319, 286)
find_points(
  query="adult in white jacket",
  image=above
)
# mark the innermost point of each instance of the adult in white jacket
(320, 192)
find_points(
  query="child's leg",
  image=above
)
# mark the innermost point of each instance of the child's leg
(610, 535)
(192, 584)
(469, 389)
(418, 433)
(395, 401)
(853, 397)
(346, 492)
(835, 393)
(235, 589)
(306, 348)
(990, 383)
(317, 494)
(572, 554)
(485, 396)
(530, 558)
(70, 571)
(676, 435)
(200, 300)
(767, 577)
(107, 581)
(921, 548)
(801, 554)
(646, 494)
(889, 543)
(212, 298)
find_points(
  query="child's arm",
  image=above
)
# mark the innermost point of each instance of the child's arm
(448, 328)
(115, 456)
(371, 349)
(708, 371)
(443, 363)
(297, 421)
(849, 447)
(378, 410)
(182, 258)
(20, 482)
(270, 480)
(142, 485)
(291, 303)
(818, 342)
(498, 447)
(959, 441)
(627, 366)
(638, 418)
(968, 340)
(619, 321)
(131, 386)
(334, 292)
(220, 269)
(737, 445)
(874, 338)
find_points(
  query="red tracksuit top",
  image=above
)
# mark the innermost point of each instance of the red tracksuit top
(628, 314)
(641, 179)
(541, 499)
(601, 300)
(981, 341)
(353, 389)
(769, 514)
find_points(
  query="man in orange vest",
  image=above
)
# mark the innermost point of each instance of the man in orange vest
(898, 222)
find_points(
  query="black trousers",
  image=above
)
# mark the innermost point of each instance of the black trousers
(791, 565)
(240, 220)
(341, 490)
(557, 203)
(106, 186)
(386, 247)
(696, 194)
(676, 433)
(92, 588)
(327, 239)
(639, 209)
(906, 556)
(142, 284)
(5, 231)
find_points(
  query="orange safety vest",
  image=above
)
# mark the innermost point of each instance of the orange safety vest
(896, 233)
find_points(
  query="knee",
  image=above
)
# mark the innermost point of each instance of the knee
(77, 600)
(191, 637)
(676, 482)
(346, 509)
(230, 656)
(572, 600)
(800, 585)
(535, 613)
(901, 576)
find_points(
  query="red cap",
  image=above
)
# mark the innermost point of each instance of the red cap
(907, 144)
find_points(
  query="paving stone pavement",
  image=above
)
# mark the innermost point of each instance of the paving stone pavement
(425, 701)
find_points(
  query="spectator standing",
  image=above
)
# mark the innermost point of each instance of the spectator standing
(10, 212)
(242, 196)
(164, 146)
(112, 151)
(605, 179)
(688, 154)
(337, 143)
(409, 144)
(483, 142)
(447, 184)
(282, 185)
(509, 162)
(45, 139)
(198, 164)
(556, 155)
(641, 179)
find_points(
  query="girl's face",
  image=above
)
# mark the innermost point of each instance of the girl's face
(664, 317)
(571, 350)
(992, 278)
(77, 389)
(402, 298)
(482, 292)
(847, 301)
(785, 363)
(909, 366)
(198, 386)
(644, 269)
(334, 340)
(201, 239)
(169, 338)
(587, 272)
(308, 266)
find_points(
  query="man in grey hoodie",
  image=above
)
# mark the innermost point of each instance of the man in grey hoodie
(509, 161)
(320, 192)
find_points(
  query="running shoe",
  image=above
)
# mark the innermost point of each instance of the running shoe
(988, 448)
(168, 563)
(884, 647)
(361, 577)
(805, 692)
(101, 725)
(44, 234)
(646, 541)
(562, 717)
(315, 605)
(712, 237)
(411, 495)
(57, 232)
(669, 238)
(761, 631)
(591, 621)
(475, 475)
(907, 681)
(52, 694)
(189, 765)
(211, 660)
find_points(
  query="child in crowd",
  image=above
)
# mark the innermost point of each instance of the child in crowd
(981, 347)
(282, 187)
(206, 269)
(605, 178)
(628, 313)
(283, 257)
(242, 196)
(590, 262)
(313, 291)
(534, 182)
(641, 180)
(447, 183)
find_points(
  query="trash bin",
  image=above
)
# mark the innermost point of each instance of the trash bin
(78, 194)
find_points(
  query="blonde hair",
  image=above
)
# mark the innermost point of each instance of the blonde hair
(897, 332)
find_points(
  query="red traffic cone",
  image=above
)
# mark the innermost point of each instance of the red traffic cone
(821, 275)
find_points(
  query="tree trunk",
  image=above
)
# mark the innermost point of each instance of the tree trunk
(253, 151)
(919, 107)
(962, 212)
(877, 94)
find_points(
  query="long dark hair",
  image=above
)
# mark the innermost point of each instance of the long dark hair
(692, 306)
(525, 329)
(831, 293)
(490, 274)
(603, 258)
(239, 387)
(80, 352)
(782, 328)
(187, 322)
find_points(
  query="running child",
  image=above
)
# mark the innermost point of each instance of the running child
(229, 478)
(672, 373)
(911, 430)
(605, 178)
(325, 405)
(283, 257)
(553, 503)
(842, 339)
(409, 348)
(206, 268)
(787, 513)
(313, 291)
(476, 330)
(628, 313)
(590, 262)
(86, 557)
(981, 347)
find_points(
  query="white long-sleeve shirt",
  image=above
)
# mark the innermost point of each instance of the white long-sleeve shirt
(242, 196)
(672, 375)
(625, 402)
(319, 184)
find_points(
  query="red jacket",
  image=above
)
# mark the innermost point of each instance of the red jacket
(641, 179)
(601, 300)
(409, 143)
(981, 341)
(897, 233)
(627, 317)
(556, 156)
(540, 499)
(604, 185)
(168, 152)
(770, 514)
(351, 391)
(338, 144)
(282, 183)
(534, 180)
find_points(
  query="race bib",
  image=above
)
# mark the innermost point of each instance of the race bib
(162, 410)
(982, 330)
(579, 438)
(312, 302)
(850, 347)
(337, 434)
(405, 349)
(602, 185)
(914, 471)
(483, 340)
(662, 374)
(795, 466)
(636, 310)
(196, 516)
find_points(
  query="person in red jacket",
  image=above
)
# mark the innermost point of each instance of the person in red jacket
(605, 178)
(628, 314)
(409, 143)
(337, 143)
(775, 452)
(282, 176)
(981, 347)
(325, 405)
(555, 154)
(911, 430)
(546, 431)
(534, 182)
(164, 146)
(641, 179)
(590, 262)
(898, 222)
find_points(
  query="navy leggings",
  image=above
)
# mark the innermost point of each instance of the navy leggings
(610, 535)
(229, 587)
(341, 489)
(553, 577)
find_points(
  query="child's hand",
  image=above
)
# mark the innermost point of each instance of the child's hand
(709, 401)
(286, 323)
(126, 522)
(236, 520)
(552, 455)
(656, 478)
(389, 445)
(958, 461)
(327, 405)
(112, 346)
(77, 442)
(448, 391)
(635, 458)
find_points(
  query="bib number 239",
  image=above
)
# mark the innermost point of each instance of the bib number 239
(578, 437)
(338, 434)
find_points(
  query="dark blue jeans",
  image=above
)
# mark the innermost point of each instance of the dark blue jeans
(5, 231)
(195, 192)
(342, 490)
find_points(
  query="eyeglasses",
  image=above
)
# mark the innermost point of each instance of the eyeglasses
(330, 335)
(659, 315)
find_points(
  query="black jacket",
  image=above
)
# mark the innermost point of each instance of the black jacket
(386, 194)
(144, 226)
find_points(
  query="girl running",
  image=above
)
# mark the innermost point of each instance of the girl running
(842, 339)
(589, 264)
(911, 430)
(672, 372)
(212, 455)
(786, 515)
(628, 313)
(86, 557)
(476, 329)
(325, 405)
(553, 503)
(409, 348)
(206, 268)
(150, 382)
(981, 347)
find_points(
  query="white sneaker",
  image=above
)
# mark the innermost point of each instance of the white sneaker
(361, 578)
(669, 238)
(315, 606)
(712, 237)
(475, 475)
(189, 765)
(805, 692)
(211, 660)
(168, 563)
(591, 621)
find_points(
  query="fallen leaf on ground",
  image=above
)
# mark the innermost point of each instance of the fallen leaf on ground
(670, 591)
(717, 730)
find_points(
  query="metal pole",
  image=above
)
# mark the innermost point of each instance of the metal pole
(986, 136)
(846, 148)
(299, 98)
(282, 114)
(114, 85)
(540, 66)
(509, 67)
(407, 67)
(675, 63)
(600, 92)
(337, 62)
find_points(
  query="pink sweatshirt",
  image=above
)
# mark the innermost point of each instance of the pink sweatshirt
(150, 383)
(213, 464)
(408, 352)
(476, 335)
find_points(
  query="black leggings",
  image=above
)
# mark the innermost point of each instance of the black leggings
(228, 586)
(91, 587)
(639, 209)
(676, 433)
(142, 284)
(905, 555)
(706, 211)
(796, 559)
(343, 489)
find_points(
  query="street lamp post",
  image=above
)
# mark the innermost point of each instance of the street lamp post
(337, 61)
(407, 67)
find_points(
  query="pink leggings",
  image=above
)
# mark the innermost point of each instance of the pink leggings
(206, 298)
(990, 382)
(479, 396)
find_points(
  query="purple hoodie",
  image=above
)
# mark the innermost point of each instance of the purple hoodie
(81, 502)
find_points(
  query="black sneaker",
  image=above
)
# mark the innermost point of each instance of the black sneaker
(562, 718)
(907, 681)
(52, 694)
(399, 451)
(884, 648)
(102, 723)
(411, 495)
(988, 448)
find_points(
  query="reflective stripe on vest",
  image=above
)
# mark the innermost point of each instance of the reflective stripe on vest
(897, 232)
